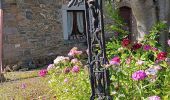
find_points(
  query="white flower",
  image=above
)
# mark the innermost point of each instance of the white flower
(60, 59)
(113, 92)
(140, 62)
(50, 66)
(120, 49)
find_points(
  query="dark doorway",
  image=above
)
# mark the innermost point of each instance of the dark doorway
(126, 14)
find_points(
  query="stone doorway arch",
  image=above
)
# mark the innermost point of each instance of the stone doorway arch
(126, 14)
(129, 19)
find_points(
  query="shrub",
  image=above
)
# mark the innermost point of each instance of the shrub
(68, 77)
(144, 69)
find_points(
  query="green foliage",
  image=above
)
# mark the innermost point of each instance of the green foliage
(123, 86)
(66, 83)
(154, 34)
(118, 23)
(77, 87)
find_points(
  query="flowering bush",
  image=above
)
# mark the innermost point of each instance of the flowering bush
(68, 77)
(142, 68)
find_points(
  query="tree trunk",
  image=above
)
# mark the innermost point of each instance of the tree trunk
(145, 15)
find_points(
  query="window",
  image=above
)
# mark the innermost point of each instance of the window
(75, 24)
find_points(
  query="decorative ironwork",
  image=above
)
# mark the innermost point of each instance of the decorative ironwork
(99, 76)
(75, 2)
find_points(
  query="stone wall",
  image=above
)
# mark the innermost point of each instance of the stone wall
(32, 30)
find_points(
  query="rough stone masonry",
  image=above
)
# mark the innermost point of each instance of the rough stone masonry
(32, 31)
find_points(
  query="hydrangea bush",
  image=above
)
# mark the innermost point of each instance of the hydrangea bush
(68, 78)
(139, 70)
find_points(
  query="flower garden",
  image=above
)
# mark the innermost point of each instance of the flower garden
(138, 70)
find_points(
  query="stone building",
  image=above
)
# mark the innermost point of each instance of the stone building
(35, 30)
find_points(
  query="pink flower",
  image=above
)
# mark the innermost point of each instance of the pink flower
(146, 47)
(115, 61)
(50, 66)
(74, 61)
(75, 69)
(23, 85)
(154, 98)
(128, 61)
(139, 75)
(168, 42)
(154, 49)
(66, 80)
(43, 73)
(74, 52)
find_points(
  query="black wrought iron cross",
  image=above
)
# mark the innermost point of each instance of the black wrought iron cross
(99, 76)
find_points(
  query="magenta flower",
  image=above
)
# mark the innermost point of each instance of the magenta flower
(146, 47)
(43, 73)
(168, 42)
(154, 98)
(139, 75)
(75, 69)
(115, 61)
